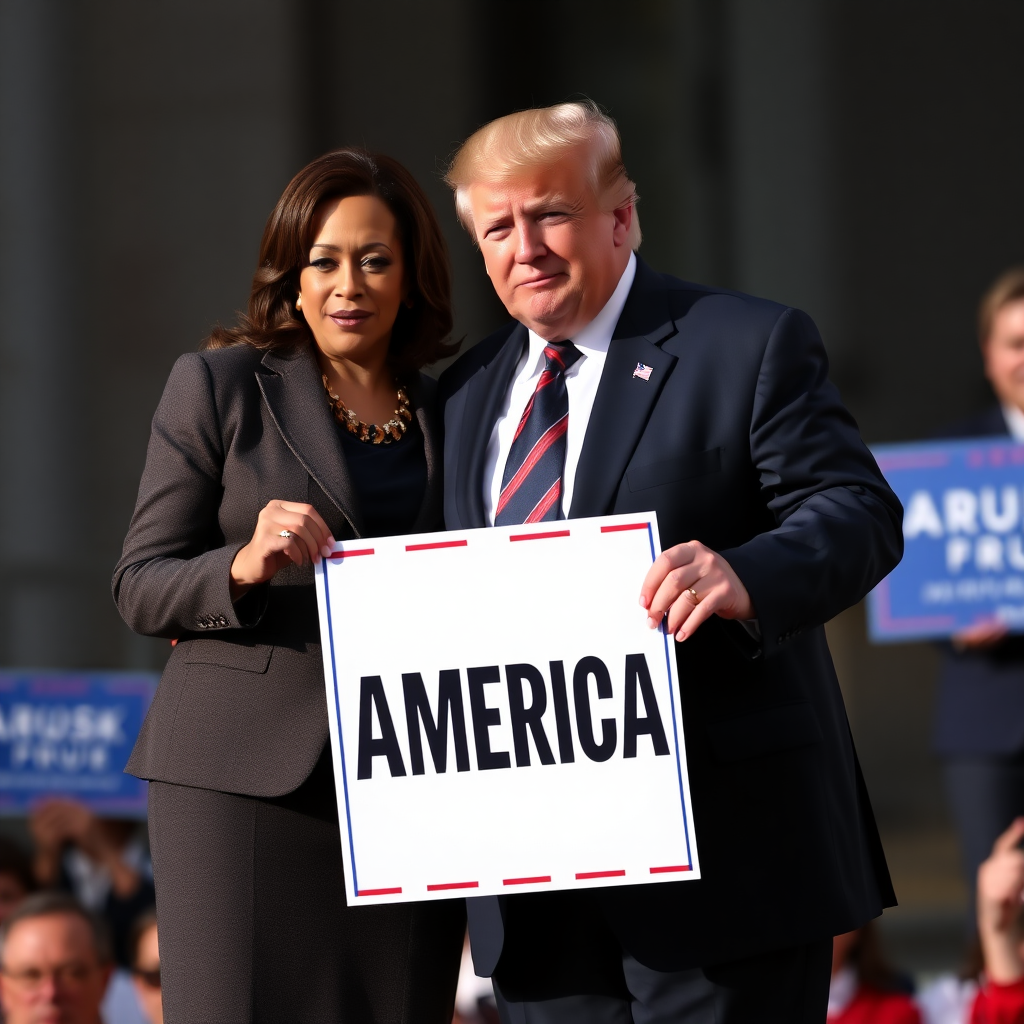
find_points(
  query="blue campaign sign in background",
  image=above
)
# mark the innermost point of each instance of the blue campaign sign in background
(70, 734)
(963, 525)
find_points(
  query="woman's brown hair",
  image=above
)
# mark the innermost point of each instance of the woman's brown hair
(272, 322)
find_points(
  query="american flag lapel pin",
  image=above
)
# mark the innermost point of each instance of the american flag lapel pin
(643, 371)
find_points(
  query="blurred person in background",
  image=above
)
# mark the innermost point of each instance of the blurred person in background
(307, 421)
(16, 878)
(102, 861)
(991, 989)
(979, 722)
(54, 962)
(864, 988)
(146, 967)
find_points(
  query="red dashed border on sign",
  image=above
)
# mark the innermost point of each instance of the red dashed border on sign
(529, 880)
(437, 544)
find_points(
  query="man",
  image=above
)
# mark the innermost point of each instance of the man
(54, 963)
(714, 410)
(979, 720)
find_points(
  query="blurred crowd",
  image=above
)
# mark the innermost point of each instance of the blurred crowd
(78, 930)
(865, 989)
(78, 938)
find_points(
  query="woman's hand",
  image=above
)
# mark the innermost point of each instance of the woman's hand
(690, 583)
(286, 532)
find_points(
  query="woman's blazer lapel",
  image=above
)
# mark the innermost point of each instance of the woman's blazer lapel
(423, 395)
(294, 393)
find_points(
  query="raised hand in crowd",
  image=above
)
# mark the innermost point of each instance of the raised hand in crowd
(57, 823)
(1000, 891)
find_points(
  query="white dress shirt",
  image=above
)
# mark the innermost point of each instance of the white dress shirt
(1014, 422)
(581, 382)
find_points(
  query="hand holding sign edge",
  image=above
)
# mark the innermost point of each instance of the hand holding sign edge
(686, 569)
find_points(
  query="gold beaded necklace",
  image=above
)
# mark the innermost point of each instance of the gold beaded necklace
(370, 433)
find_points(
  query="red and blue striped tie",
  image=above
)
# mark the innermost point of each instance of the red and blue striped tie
(531, 486)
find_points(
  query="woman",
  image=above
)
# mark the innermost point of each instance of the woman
(304, 423)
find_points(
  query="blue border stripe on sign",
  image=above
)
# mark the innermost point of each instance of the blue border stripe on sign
(341, 738)
(675, 729)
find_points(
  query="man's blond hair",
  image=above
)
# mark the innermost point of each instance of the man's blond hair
(540, 137)
(1007, 288)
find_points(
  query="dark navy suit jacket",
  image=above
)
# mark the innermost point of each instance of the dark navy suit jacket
(980, 706)
(737, 440)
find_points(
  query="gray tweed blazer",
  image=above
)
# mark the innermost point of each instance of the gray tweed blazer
(241, 706)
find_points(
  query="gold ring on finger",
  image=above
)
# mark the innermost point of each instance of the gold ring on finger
(693, 596)
(285, 533)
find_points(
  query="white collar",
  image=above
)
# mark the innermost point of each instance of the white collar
(1014, 421)
(597, 335)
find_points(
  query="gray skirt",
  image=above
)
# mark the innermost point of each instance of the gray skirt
(254, 926)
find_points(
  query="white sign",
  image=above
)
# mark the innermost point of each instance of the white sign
(502, 719)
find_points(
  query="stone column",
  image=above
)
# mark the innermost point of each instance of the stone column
(43, 408)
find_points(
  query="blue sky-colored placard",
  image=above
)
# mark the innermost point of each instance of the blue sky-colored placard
(70, 734)
(964, 532)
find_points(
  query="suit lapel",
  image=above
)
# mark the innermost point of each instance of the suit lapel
(294, 394)
(998, 421)
(623, 403)
(485, 395)
(431, 509)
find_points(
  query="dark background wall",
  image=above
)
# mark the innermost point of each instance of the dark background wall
(861, 160)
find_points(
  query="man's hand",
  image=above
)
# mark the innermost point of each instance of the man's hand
(1000, 887)
(980, 637)
(689, 583)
